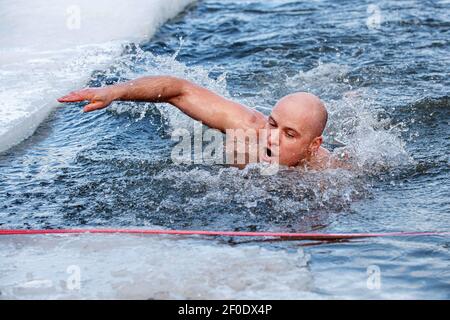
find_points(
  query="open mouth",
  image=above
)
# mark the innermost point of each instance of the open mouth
(268, 152)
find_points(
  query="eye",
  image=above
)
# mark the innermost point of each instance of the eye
(272, 124)
(290, 134)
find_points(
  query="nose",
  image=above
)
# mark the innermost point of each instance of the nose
(273, 137)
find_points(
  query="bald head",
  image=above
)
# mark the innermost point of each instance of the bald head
(305, 111)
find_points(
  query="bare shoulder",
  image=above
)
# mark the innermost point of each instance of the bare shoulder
(327, 160)
(341, 160)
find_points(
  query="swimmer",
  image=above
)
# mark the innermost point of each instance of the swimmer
(294, 128)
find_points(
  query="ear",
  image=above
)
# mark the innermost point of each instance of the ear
(315, 144)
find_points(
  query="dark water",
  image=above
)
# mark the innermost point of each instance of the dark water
(385, 82)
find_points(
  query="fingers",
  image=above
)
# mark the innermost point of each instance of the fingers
(94, 106)
(75, 96)
(97, 102)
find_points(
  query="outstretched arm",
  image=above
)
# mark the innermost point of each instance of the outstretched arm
(197, 102)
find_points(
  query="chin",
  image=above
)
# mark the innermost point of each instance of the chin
(287, 163)
(291, 162)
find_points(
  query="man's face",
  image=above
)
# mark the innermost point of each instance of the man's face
(289, 134)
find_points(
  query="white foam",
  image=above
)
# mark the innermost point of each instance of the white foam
(50, 47)
(353, 117)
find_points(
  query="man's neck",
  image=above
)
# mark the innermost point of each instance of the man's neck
(318, 160)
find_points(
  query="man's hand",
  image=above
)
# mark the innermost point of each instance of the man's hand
(99, 98)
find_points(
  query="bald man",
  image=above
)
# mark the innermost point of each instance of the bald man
(293, 130)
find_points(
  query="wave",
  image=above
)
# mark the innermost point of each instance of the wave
(50, 47)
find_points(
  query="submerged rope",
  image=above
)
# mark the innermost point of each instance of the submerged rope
(291, 236)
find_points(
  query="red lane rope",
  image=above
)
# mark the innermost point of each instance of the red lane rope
(292, 236)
